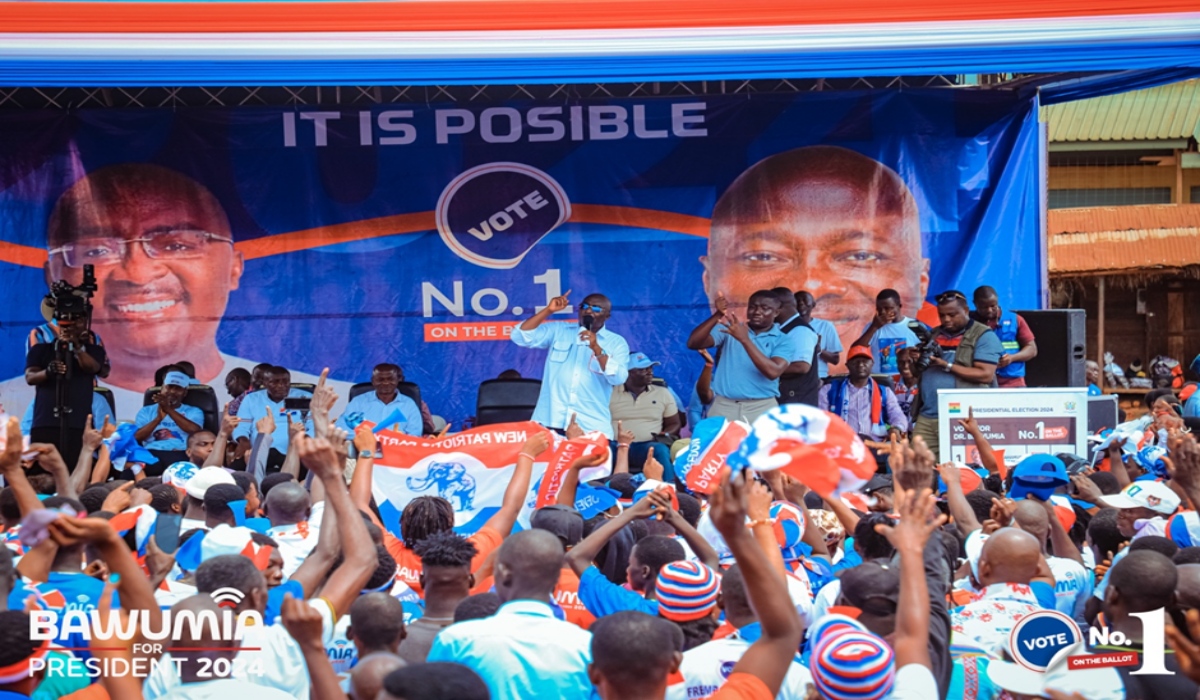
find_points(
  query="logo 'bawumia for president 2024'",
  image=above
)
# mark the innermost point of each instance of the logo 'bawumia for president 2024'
(493, 214)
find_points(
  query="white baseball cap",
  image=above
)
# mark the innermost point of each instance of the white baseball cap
(1154, 495)
(198, 485)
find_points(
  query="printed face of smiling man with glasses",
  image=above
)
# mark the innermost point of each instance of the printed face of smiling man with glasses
(165, 265)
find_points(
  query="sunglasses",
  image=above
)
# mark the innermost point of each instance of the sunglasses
(950, 296)
(589, 307)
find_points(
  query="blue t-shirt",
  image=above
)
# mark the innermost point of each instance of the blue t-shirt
(64, 592)
(987, 349)
(603, 597)
(888, 342)
(736, 376)
(830, 342)
(168, 435)
(1191, 409)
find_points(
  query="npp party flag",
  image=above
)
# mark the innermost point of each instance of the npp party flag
(811, 445)
(471, 470)
(565, 453)
(123, 448)
(713, 439)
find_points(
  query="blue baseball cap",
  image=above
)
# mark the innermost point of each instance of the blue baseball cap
(177, 379)
(1038, 475)
(638, 360)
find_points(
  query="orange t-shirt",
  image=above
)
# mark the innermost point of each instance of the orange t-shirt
(744, 686)
(566, 595)
(408, 564)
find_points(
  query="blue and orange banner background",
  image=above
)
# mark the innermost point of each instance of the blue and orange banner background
(344, 266)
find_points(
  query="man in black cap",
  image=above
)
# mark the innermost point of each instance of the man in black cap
(880, 488)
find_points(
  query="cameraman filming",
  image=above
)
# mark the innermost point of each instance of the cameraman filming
(960, 354)
(62, 373)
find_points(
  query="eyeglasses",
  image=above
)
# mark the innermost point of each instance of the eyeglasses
(174, 244)
(593, 309)
(950, 296)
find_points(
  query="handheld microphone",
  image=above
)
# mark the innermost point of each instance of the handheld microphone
(587, 322)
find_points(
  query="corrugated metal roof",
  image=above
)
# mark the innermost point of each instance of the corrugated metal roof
(1124, 239)
(1164, 112)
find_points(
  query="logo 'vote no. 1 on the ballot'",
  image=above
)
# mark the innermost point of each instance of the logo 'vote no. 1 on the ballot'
(493, 214)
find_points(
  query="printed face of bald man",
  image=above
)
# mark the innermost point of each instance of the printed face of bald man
(824, 220)
(163, 253)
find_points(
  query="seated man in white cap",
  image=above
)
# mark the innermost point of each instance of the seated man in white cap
(163, 427)
(647, 410)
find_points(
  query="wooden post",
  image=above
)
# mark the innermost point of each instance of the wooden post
(1175, 322)
(1100, 327)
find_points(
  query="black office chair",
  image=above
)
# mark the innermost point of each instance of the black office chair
(202, 397)
(409, 389)
(112, 401)
(506, 400)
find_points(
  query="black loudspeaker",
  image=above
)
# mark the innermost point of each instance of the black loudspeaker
(1061, 336)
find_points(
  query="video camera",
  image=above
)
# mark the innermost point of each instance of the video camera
(73, 302)
(926, 352)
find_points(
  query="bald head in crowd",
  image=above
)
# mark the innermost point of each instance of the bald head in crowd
(366, 680)
(528, 566)
(287, 504)
(1009, 556)
(155, 296)
(821, 219)
(1031, 517)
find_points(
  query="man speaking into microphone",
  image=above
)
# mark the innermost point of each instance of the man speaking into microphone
(586, 361)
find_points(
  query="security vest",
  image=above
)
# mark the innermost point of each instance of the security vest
(1006, 330)
(964, 356)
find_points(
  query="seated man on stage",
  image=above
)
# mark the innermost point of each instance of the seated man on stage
(870, 408)
(585, 362)
(378, 405)
(163, 427)
(646, 410)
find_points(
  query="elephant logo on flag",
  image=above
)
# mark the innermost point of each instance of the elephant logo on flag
(452, 482)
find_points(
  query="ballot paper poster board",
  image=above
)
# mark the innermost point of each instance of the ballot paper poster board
(1019, 421)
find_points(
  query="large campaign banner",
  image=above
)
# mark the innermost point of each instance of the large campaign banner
(419, 234)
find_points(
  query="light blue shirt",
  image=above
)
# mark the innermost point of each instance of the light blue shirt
(830, 342)
(521, 652)
(368, 407)
(572, 381)
(804, 339)
(736, 377)
(168, 435)
(256, 406)
(887, 342)
(1191, 409)
(100, 409)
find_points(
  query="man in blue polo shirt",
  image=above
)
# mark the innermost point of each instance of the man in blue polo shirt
(163, 427)
(831, 345)
(752, 356)
(278, 386)
(385, 401)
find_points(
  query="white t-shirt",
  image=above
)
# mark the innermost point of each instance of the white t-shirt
(1072, 586)
(278, 663)
(915, 682)
(706, 668)
(298, 540)
(225, 689)
(888, 341)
